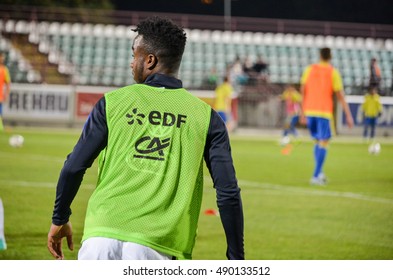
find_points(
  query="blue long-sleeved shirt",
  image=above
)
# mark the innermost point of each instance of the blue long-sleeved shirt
(217, 155)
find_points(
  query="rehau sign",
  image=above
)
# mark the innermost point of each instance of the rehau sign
(36, 102)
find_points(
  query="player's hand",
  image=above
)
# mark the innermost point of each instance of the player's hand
(302, 119)
(349, 121)
(55, 237)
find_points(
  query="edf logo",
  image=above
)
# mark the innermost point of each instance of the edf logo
(156, 118)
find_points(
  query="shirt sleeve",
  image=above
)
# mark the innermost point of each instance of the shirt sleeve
(337, 81)
(92, 141)
(7, 76)
(305, 75)
(219, 161)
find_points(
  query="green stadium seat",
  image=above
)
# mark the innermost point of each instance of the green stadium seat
(96, 46)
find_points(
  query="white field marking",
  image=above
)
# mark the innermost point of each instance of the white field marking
(309, 191)
(293, 189)
(28, 184)
(32, 157)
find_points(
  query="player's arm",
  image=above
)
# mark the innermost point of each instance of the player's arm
(338, 89)
(347, 111)
(92, 140)
(380, 108)
(228, 101)
(219, 162)
(302, 89)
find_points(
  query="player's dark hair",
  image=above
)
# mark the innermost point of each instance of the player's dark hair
(326, 54)
(164, 39)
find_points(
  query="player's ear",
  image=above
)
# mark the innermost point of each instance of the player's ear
(151, 61)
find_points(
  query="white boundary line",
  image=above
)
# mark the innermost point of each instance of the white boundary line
(242, 183)
(316, 192)
(33, 157)
(309, 191)
(28, 184)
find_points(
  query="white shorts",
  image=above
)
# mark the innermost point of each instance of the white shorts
(102, 248)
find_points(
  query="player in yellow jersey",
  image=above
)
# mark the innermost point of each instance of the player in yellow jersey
(5, 82)
(292, 100)
(372, 109)
(318, 84)
(223, 100)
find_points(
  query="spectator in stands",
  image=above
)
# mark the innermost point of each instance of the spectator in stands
(5, 82)
(375, 74)
(292, 99)
(318, 83)
(211, 80)
(152, 137)
(261, 67)
(372, 109)
(248, 67)
(249, 71)
(223, 100)
(236, 74)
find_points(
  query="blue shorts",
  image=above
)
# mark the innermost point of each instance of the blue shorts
(370, 121)
(294, 120)
(319, 128)
(1, 109)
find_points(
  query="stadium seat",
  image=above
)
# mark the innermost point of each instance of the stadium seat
(22, 27)
(195, 35)
(226, 37)
(289, 39)
(216, 36)
(258, 38)
(205, 35)
(299, 40)
(339, 42)
(54, 28)
(9, 26)
(90, 47)
(65, 29)
(268, 38)
(389, 44)
(248, 38)
(76, 29)
(109, 31)
(237, 37)
(320, 41)
(98, 30)
(278, 39)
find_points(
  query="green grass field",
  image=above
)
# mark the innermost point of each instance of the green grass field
(285, 217)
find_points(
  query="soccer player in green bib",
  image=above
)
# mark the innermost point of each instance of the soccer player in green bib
(151, 138)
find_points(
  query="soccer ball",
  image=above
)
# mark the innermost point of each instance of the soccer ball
(374, 149)
(285, 140)
(16, 141)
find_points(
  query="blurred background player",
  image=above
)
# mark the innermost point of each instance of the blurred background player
(292, 99)
(5, 82)
(375, 74)
(372, 109)
(223, 101)
(318, 83)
